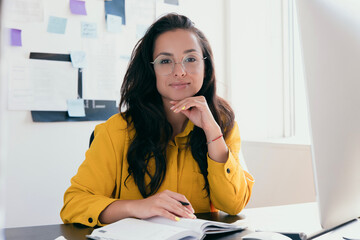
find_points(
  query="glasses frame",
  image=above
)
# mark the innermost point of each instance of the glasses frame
(173, 67)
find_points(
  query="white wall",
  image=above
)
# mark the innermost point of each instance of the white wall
(283, 173)
(3, 148)
(42, 157)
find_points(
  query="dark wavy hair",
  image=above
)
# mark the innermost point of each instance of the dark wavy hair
(145, 110)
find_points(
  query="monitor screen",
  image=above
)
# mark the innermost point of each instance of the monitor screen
(330, 41)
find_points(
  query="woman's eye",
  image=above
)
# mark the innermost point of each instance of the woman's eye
(190, 59)
(165, 61)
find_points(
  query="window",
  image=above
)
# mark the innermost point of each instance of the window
(266, 81)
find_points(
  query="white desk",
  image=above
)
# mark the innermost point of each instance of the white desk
(295, 218)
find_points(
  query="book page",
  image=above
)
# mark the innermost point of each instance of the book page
(193, 224)
(131, 228)
(198, 225)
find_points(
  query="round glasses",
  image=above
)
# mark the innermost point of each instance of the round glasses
(164, 64)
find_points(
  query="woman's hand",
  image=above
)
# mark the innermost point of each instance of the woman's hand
(197, 110)
(166, 204)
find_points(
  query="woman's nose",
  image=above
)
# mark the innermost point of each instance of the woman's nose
(179, 70)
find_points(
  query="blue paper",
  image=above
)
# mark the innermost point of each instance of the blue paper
(56, 25)
(113, 23)
(88, 30)
(78, 59)
(117, 8)
(76, 107)
(172, 2)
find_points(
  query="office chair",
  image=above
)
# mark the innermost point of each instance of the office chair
(91, 138)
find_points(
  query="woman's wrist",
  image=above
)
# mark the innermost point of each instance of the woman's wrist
(213, 133)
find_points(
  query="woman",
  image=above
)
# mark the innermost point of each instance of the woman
(174, 151)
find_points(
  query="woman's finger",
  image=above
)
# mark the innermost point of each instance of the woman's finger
(164, 213)
(179, 199)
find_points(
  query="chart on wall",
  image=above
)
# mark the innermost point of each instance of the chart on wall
(66, 58)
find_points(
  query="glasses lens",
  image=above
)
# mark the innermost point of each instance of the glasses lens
(164, 65)
(192, 63)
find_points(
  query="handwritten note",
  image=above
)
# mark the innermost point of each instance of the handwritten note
(56, 25)
(77, 7)
(113, 23)
(15, 37)
(88, 30)
(78, 59)
(76, 107)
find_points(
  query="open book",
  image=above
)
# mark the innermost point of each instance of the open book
(156, 228)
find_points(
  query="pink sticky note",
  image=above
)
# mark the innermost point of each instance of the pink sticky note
(15, 37)
(77, 7)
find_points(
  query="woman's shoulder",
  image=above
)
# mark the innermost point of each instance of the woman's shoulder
(115, 123)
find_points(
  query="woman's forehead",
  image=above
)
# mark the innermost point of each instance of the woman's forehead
(176, 42)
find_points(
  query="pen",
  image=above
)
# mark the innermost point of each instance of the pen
(184, 203)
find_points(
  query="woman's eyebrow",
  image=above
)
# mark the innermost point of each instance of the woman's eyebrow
(164, 53)
(171, 55)
(190, 50)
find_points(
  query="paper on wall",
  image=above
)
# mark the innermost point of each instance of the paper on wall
(102, 75)
(42, 85)
(24, 10)
(76, 107)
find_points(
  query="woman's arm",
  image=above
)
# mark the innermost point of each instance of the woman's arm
(230, 185)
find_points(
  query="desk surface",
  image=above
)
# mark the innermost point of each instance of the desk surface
(78, 232)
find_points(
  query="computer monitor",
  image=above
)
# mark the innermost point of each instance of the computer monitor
(330, 41)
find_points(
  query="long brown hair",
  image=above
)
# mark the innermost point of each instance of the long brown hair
(145, 110)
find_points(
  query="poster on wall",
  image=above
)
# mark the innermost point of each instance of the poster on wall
(96, 38)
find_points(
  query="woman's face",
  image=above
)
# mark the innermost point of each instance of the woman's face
(186, 76)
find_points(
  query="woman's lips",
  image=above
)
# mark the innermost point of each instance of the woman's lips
(179, 85)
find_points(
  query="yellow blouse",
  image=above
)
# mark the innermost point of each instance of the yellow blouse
(100, 178)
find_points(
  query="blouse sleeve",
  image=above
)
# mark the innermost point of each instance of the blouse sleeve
(230, 185)
(92, 187)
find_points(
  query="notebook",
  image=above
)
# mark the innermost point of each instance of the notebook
(162, 228)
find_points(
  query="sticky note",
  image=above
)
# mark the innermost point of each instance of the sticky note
(117, 8)
(172, 2)
(76, 107)
(88, 30)
(113, 23)
(78, 59)
(77, 7)
(56, 25)
(15, 37)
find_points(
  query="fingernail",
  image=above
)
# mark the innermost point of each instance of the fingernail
(172, 107)
(177, 219)
(183, 108)
(192, 216)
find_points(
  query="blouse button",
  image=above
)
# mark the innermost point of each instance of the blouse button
(90, 220)
(228, 170)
